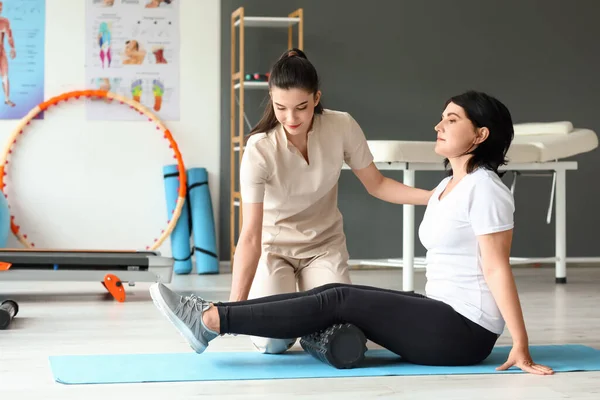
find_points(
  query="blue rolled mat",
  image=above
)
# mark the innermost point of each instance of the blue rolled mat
(180, 236)
(228, 366)
(4, 221)
(203, 224)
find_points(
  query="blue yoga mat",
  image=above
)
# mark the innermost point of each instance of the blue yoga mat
(203, 224)
(180, 236)
(225, 366)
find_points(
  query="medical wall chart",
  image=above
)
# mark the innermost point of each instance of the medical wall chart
(22, 35)
(132, 48)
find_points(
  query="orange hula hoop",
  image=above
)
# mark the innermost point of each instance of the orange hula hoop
(142, 110)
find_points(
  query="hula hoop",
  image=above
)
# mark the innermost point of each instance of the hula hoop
(142, 110)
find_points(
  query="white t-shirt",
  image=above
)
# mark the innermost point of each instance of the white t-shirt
(479, 204)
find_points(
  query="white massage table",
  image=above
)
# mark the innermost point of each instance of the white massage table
(532, 153)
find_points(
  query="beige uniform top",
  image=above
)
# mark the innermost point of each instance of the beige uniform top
(301, 217)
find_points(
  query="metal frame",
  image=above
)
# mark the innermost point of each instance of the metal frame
(156, 274)
(154, 268)
(407, 261)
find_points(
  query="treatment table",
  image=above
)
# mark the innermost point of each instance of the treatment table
(533, 153)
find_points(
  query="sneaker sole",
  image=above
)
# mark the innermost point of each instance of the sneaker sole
(183, 330)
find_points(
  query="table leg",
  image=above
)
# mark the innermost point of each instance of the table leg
(408, 237)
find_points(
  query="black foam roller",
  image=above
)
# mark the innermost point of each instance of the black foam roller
(342, 345)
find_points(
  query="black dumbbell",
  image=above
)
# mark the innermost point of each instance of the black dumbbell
(8, 310)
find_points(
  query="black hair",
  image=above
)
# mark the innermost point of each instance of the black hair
(291, 70)
(486, 111)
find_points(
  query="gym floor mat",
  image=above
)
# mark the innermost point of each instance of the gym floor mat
(225, 366)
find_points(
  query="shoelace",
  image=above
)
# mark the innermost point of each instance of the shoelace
(190, 311)
(194, 301)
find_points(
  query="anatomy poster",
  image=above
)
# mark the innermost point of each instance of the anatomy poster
(22, 31)
(133, 50)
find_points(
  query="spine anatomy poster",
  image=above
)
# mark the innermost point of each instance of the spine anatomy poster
(132, 49)
(22, 35)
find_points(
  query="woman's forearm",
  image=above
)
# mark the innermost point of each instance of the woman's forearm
(396, 192)
(245, 262)
(502, 284)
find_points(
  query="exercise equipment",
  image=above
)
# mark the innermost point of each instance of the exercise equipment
(231, 366)
(4, 222)
(96, 94)
(115, 287)
(111, 268)
(203, 224)
(257, 77)
(180, 236)
(8, 310)
(340, 346)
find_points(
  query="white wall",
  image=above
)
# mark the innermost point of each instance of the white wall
(114, 199)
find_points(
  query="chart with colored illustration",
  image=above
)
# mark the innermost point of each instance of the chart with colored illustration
(132, 48)
(22, 42)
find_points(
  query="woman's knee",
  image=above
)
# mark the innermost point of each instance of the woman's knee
(328, 286)
(320, 289)
(339, 298)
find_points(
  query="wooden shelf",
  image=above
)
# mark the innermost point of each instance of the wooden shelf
(240, 21)
(252, 85)
(267, 22)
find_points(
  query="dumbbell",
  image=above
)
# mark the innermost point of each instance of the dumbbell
(341, 345)
(8, 310)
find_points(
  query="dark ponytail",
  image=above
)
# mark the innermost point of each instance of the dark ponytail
(291, 71)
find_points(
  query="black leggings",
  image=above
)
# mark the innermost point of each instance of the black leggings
(419, 329)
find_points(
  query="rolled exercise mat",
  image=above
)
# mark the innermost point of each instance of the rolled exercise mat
(203, 223)
(180, 236)
(4, 222)
(8, 310)
(248, 365)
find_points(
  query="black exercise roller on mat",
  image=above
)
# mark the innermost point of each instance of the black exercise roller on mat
(8, 310)
(342, 345)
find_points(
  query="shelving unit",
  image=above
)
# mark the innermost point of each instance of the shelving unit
(239, 23)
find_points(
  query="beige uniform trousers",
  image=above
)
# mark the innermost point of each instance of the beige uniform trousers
(277, 274)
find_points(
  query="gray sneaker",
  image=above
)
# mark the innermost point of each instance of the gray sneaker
(185, 313)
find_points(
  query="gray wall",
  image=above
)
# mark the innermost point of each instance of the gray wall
(393, 63)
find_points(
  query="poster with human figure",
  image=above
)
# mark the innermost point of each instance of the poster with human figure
(22, 42)
(132, 49)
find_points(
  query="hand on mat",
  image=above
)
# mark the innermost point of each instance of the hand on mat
(520, 357)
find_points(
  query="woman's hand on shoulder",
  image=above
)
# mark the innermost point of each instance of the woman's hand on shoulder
(519, 357)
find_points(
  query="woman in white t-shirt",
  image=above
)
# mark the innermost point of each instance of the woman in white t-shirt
(470, 292)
